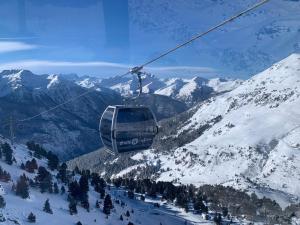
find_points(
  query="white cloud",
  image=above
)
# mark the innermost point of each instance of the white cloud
(13, 46)
(103, 69)
(183, 70)
(45, 63)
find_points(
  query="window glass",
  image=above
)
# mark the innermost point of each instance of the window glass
(133, 115)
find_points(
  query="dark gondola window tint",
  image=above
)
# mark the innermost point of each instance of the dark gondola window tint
(105, 127)
(133, 115)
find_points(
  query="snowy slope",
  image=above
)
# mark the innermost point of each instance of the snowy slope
(184, 89)
(253, 143)
(222, 85)
(256, 138)
(17, 209)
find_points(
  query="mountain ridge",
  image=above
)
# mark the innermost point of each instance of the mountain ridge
(246, 138)
(72, 128)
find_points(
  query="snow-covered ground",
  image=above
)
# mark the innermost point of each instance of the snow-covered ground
(18, 209)
(255, 145)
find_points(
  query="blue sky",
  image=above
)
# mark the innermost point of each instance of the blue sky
(105, 37)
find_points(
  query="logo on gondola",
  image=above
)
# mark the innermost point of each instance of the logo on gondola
(134, 141)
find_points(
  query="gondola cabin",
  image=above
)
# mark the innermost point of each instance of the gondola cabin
(125, 129)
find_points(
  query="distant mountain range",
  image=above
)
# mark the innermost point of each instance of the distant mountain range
(72, 129)
(69, 130)
(188, 91)
(247, 138)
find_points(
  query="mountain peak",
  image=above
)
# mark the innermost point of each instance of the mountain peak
(282, 75)
(14, 72)
(199, 80)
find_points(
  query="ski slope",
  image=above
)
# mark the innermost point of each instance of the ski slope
(18, 209)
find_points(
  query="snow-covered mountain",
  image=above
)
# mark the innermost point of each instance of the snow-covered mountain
(69, 130)
(250, 137)
(247, 138)
(196, 89)
(188, 91)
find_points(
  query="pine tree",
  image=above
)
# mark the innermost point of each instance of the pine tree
(78, 223)
(102, 193)
(121, 218)
(76, 170)
(85, 201)
(72, 206)
(8, 153)
(130, 194)
(107, 205)
(75, 190)
(2, 202)
(182, 199)
(224, 211)
(85, 204)
(127, 213)
(13, 187)
(31, 218)
(53, 161)
(38, 150)
(23, 166)
(62, 173)
(56, 190)
(50, 189)
(218, 219)
(199, 205)
(44, 179)
(34, 164)
(31, 166)
(97, 204)
(95, 179)
(84, 184)
(22, 188)
(130, 223)
(62, 190)
(32, 183)
(47, 207)
(152, 190)
(4, 175)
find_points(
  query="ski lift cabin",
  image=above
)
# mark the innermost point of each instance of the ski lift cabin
(124, 128)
